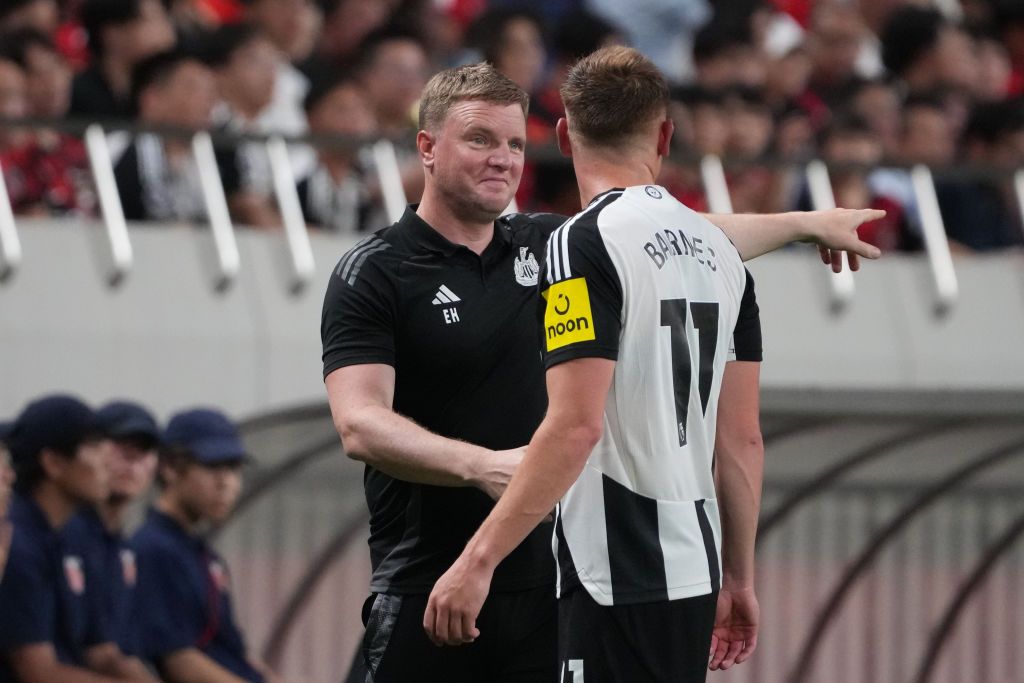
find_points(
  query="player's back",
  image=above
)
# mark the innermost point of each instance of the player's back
(645, 281)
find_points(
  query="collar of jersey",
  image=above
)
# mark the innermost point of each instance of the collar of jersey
(604, 194)
(425, 237)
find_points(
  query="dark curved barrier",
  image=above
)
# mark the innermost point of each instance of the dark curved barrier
(828, 613)
(822, 481)
(307, 585)
(964, 592)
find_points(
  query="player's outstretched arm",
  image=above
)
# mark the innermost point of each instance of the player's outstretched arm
(361, 399)
(554, 459)
(834, 231)
(739, 469)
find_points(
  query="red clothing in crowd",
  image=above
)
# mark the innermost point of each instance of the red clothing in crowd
(54, 178)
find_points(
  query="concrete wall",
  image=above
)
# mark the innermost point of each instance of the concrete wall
(167, 337)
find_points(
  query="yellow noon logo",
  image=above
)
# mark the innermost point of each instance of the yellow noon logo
(567, 316)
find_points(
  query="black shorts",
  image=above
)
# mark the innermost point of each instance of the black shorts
(658, 641)
(517, 643)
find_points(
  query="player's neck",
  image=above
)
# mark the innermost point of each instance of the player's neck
(596, 174)
(439, 216)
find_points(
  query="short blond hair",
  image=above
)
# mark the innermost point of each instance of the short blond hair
(471, 82)
(613, 93)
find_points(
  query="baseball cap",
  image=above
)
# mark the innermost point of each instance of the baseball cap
(207, 434)
(59, 422)
(5, 427)
(125, 419)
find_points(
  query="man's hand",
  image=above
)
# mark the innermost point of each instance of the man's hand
(493, 472)
(835, 231)
(455, 603)
(736, 624)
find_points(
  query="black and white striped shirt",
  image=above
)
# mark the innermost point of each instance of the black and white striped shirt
(640, 279)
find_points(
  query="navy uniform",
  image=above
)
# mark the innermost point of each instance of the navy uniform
(110, 559)
(109, 563)
(460, 330)
(184, 588)
(44, 593)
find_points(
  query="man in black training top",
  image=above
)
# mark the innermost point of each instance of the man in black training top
(435, 380)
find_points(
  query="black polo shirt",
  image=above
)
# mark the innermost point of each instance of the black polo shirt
(460, 329)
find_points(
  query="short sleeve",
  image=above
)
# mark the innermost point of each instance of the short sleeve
(581, 307)
(29, 602)
(167, 615)
(357, 324)
(746, 336)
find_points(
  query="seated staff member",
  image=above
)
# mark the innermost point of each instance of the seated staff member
(49, 630)
(184, 611)
(132, 436)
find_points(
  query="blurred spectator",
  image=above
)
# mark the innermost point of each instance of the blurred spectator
(393, 71)
(337, 195)
(995, 71)
(245, 64)
(48, 174)
(13, 105)
(724, 56)
(122, 33)
(157, 177)
(292, 26)
(751, 130)
(878, 103)
(131, 439)
(346, 24)
(49, 629)
(927, 52)
(787, 78)
(928, 134)
(835, 40)
(188, 625)
(661, 29)
(42, 15)
(513, 41)
(977, 211)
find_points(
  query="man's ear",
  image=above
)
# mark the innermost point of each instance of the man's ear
(52, 463)
(425, 145)
(562, 133)
(665, 131)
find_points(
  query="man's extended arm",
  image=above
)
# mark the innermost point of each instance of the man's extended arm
(577, 391)
(834, 231)
(739, 469)
(361, 399)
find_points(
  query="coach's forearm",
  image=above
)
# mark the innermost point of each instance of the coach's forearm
(739, 473)
(403, 449)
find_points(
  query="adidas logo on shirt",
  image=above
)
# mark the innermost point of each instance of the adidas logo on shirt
(446, 297)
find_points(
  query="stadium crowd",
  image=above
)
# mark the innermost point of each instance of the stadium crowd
(87, 597)
(870, 86)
